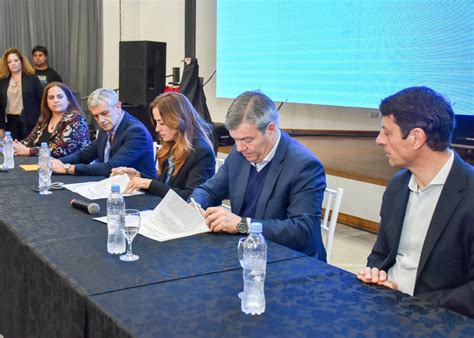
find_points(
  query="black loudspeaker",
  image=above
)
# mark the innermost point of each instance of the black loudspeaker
(143, 114)
(142, 71)
(463, 134)
(222, 134)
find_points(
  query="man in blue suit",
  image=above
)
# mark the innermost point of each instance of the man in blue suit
(425, 244)
(269, 178)
(123, 141)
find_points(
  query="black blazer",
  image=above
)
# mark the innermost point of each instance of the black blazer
(31, 90)
(198, 167)
(445, 274)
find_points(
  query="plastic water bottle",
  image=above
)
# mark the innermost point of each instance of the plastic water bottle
(115, 221)
(8, 150)
(255, 266)
(44, 169)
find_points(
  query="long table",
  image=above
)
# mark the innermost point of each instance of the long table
(57, 280)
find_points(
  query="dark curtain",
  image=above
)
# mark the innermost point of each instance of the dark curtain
(191, 86)
(71, 30)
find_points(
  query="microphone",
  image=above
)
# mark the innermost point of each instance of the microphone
(89, 207)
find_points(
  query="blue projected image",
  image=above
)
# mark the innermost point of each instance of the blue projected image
(346, 53)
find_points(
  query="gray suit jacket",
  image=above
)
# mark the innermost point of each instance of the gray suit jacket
(445, 274)
(289, 206)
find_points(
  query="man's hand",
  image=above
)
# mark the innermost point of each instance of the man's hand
(137, 183)
(220, 219)
(131, 172)
(57, 166)
(375, 276)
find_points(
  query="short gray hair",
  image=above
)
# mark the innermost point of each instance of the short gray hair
(102, 95)
(252, 107)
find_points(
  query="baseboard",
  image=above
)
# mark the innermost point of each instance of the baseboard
(357, 222)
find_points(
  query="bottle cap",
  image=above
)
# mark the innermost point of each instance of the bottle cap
(115, 188)
(44, 145)
(8, 133)
(256, 227)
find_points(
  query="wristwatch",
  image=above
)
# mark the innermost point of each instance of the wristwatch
(67, 166)
(243, 226)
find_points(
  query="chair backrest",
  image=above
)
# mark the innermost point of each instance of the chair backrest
(156, 147)
(333, 203)
(219, 163)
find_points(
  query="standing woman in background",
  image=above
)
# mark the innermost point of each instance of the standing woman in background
(20, 94)
(186, 156)
(61, 124)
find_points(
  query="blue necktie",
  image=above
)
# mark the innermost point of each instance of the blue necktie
(107, 147)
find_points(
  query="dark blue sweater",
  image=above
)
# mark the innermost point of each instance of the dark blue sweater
(254, 188)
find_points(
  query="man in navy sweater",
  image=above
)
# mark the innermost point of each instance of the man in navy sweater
(268, 177)
(123, 141)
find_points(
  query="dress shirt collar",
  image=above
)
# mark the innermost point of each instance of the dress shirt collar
(270, 155)
(439, 179)
(114, 131)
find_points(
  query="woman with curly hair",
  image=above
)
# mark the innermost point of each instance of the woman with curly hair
(20, 94)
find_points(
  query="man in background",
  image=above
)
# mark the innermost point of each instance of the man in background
(425, 244)
(40, 62)
(269, 178)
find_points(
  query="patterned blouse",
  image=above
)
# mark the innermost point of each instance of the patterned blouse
(70, 135)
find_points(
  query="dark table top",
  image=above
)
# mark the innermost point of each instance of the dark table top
(57, 279)
(304, 297)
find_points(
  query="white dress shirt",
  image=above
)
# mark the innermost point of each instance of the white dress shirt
(420, 208)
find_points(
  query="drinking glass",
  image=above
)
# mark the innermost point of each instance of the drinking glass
(130, 228)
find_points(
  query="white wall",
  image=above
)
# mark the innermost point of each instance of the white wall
(163, 20)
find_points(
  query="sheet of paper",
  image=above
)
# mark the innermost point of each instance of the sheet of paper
(143, 214)
(100, 189)
(29, 167)
(172, 218)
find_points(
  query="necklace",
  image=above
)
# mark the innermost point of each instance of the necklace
(52, 126)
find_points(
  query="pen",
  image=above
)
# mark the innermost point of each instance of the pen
(193, 201)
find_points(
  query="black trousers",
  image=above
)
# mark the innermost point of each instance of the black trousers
(18, 129)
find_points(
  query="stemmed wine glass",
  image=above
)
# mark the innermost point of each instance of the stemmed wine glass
(130, 228)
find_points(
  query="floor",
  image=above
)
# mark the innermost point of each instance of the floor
(351, 247)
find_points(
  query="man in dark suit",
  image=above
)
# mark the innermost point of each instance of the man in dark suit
(123, 141)
(269, 178)
(425, 245)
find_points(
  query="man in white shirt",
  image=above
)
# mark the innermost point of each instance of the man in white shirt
(425, 245)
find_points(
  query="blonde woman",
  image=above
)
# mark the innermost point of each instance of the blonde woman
(186, 156)
(20, 94)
